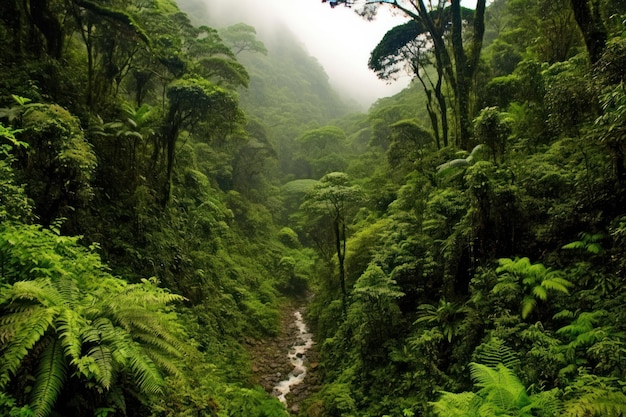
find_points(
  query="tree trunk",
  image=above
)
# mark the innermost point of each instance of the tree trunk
(590, 23)
(340, 243)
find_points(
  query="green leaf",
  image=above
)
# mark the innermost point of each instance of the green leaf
(50, 377)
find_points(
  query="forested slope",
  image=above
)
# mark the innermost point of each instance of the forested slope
(138, 245)
(478, 270)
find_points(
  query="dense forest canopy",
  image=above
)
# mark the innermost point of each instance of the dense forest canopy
(167, 185)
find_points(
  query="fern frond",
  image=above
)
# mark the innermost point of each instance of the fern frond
(23, 340)
(165, 362)
(528, 305)
(597, 403)
(500, 386)
(457, 405)
(70, 325)
(40, 290)
(540, 292)
(557, 284)
(495, 352)
(15, 318)
(547, 403)
(147, 376)
(151, 342)
(102, 370)
(50, 377)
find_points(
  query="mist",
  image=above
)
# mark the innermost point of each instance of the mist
(338, 38)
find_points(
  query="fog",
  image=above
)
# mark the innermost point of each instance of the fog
(338, 38)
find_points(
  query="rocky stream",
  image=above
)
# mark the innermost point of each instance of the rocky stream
(286, 365)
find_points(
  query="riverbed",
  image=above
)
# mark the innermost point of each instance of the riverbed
(271, 361)
(296, 355)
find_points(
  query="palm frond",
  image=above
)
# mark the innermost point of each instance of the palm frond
(50, 377)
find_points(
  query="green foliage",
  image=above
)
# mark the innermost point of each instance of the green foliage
(241, 37)
(535, 280)
(446, 315)
(59, 165)
(501, 393)
(495, 352)
(595, 396)
(493, 128)
(288, 237)
(14, 204)
(74, 321)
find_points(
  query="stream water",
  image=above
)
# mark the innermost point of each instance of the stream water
(296, 355)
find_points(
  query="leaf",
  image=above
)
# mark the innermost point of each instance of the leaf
(50, 377)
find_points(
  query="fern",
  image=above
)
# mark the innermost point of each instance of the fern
(456, 405)
(50, 377)
(592, 395)
(70, 326)
(103, 364)
(23, 340)
(500, 386)
(495, 352)
(147, 376)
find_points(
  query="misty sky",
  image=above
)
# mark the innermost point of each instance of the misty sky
(339, 39)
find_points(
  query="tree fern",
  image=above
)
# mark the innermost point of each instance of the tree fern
(50, 377)
(79, 322)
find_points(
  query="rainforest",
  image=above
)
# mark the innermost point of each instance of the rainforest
(177, 195)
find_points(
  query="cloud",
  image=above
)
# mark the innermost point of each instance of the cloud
(339, 38)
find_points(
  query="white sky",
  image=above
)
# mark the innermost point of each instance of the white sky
(339, 38)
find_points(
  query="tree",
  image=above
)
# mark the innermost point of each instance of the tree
(589, 20)
(191, 101)
(332, 201)
(241, 37)
(59, 163)
(458, 63)
(407, 44)
(492, 128)
(320, 151)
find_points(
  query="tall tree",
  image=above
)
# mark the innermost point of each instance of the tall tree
(588, 18)
(459, 62)
(332, 199)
